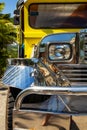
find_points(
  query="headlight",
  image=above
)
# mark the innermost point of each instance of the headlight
(60, 52)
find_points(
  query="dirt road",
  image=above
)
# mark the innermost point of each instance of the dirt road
(3, 98)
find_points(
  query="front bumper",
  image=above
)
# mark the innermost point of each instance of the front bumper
(31, 120)
(73, 118)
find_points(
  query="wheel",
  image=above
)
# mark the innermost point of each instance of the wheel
(10, 106)
(12, 94)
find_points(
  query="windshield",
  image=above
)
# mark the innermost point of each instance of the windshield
(67, 15)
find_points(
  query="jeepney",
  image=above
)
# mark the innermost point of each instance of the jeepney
(48, 82)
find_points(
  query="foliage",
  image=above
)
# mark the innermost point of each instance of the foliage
(12, 50)
(7, 36)
(2, 6)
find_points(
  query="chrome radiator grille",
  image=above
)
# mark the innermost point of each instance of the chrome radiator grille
(85, 49)
(77, 74)
(85, 52)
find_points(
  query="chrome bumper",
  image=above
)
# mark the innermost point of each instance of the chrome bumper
(24, 119)
(32, 120)
(49, 91)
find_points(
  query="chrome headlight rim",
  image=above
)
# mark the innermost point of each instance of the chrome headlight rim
(59, 60)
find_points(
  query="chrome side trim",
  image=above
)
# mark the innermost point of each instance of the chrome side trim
(49, 91)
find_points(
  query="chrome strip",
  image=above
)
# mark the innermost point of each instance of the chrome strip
(76, 73)
(72, 113)
(49, 91)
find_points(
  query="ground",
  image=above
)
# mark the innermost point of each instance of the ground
(3, 99)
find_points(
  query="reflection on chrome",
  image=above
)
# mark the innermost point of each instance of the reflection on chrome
(64, 37)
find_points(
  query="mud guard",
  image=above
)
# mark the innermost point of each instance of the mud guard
(18, 76)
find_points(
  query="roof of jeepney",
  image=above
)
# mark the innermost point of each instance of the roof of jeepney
(23, 1)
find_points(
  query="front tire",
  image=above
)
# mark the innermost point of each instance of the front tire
(12, 94)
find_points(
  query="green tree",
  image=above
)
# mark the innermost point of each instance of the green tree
(1, 6)
(7, 36)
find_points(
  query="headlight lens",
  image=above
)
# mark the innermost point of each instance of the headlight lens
(60, 51)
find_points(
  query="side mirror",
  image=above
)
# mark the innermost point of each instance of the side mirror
(16, 20)
(17, 17)
(16, 12)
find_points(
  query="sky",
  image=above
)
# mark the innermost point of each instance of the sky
(10, 6)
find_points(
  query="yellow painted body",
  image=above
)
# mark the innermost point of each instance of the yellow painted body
(33, 36)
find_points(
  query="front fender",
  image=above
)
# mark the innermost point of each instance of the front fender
(18, 76)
